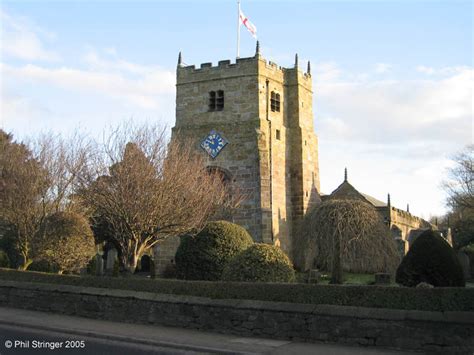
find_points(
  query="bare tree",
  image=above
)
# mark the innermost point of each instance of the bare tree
(147, 190)
(64, 160)
(459, 186)
(346, 235)
(460, 183)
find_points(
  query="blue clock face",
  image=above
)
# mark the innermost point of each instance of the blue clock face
(213, 144)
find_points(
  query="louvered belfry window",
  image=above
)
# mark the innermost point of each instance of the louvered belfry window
(216, 100)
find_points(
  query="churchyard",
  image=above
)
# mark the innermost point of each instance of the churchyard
(346, 281)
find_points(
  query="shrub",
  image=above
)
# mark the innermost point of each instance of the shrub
(432, 260)
(345, 235)
(152, 268)
(469, 251)
(116, 268)
(42, 265)
(203, 257)
(4, 260)
(169, 272)
(92, 266)
(9, 245)
(439, 299)
(260, 262)
(65, 239)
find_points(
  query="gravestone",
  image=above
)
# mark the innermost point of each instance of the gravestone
(99, 266)
(111, 257)
(313, 277)
(465, 264)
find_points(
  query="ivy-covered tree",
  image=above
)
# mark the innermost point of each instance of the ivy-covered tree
(65, 239)
(36, 180)
(23, 183)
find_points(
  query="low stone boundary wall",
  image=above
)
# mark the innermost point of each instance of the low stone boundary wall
(448, 332)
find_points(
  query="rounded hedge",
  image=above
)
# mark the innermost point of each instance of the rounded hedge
(260, 263)
(432, 260)
(203, 256)
(65, 239)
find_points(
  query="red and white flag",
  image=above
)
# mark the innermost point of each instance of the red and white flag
(250, 26)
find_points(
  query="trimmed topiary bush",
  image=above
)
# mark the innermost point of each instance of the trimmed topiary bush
(261, 263)
(4, 260)
(203, 256)
(432, 260)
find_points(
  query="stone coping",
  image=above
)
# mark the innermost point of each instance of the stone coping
(284, 307)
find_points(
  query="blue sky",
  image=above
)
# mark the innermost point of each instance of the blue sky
(392, 79)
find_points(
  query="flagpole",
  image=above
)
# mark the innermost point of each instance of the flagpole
(238, 28)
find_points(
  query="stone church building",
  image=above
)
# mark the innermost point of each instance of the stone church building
(253, 121)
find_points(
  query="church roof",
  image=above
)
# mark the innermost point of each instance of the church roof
(374, 201)
(347, 191)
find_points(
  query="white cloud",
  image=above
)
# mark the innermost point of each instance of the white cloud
(24, 40)
(441, 71)
(381, 68)
(394, 135)
(102, 91)
(425, 70)
(400, 110)
(142, 91)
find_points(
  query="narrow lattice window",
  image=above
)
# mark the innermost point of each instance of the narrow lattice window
(220, 100)
(278, 134)
(275, 102)
(212, 101)
(216, 100)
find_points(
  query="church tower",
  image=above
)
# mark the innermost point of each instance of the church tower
(253, 121)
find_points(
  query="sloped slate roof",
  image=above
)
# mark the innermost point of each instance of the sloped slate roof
(346, 190)
(374, 201)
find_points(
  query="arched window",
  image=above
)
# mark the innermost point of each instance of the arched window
(223, 174)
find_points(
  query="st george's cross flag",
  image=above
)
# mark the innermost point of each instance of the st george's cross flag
(250, 26)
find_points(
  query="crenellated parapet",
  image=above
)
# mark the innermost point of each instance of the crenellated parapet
(241, 67)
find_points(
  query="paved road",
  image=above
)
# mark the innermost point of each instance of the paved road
(38, 342)
(55, 332)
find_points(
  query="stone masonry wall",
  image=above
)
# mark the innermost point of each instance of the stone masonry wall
(446, 332)
(238, 123)
(271, 156)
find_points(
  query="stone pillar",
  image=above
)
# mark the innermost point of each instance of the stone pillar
(164, 253)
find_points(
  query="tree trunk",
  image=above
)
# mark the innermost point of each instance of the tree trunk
(336, 272)
(131, 264)
(25, 262)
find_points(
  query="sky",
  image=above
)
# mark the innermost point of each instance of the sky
(392, 80)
